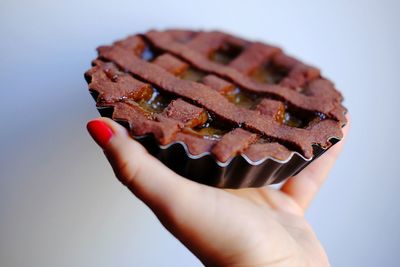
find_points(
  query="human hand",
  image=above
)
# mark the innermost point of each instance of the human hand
(223, 227)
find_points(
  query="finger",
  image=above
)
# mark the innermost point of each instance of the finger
(155, 184)
(304, 186)
(190, 211)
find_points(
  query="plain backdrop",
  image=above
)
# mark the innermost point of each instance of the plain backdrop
(59, 202)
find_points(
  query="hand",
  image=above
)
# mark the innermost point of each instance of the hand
(222, 227)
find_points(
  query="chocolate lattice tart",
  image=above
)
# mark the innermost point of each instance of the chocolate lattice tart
(216, 108)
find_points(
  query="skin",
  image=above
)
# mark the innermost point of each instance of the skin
(241, 227)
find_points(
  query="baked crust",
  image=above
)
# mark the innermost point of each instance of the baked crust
(217, 93)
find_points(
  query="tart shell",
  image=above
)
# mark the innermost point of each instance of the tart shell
(238, 172)
(213, 81)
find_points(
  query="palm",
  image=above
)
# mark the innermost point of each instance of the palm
(273, 226)
(244, 227)
(256, 227)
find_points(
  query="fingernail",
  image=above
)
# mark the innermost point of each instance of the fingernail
(100, 132)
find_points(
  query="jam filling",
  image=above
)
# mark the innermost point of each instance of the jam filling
(148, 53)
(156, 103)
(298, 119)
(242, 98)
(226, 53)
(291, 120)
(193, 74)
(286, 116)
(212, 129)
(269, 74)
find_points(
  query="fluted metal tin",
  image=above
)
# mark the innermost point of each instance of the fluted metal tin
(239, 172)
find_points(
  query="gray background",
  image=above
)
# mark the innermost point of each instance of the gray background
(59, 202)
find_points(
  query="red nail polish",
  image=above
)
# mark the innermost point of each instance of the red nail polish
(100, 132)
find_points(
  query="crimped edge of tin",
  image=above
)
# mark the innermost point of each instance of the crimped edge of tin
(245, 157)
(281, 169)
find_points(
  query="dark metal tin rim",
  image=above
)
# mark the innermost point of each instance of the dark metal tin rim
(254, 163)
(238, 172)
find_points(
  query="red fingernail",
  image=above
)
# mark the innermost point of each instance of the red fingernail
(100, 132)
